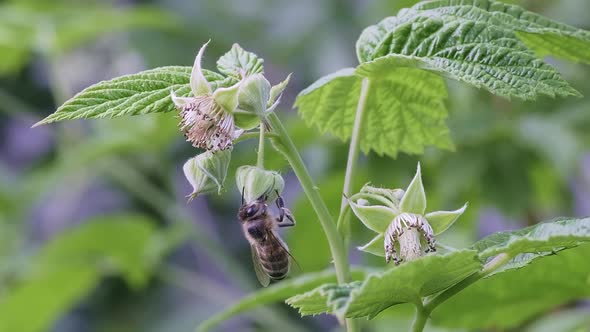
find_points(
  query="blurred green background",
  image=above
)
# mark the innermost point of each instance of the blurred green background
(95, 231)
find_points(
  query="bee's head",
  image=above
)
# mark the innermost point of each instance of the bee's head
(252, 210)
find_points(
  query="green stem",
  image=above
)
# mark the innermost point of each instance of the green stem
(420, 319)
(336, 243)
(337, 248)
(353, 156)
(260, 160)
(423, 313)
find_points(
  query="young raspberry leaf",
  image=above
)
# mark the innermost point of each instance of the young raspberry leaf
(239, 63)
(136, 94)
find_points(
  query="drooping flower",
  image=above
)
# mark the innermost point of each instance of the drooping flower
(206, 172)
(207, 118)
(399, 218)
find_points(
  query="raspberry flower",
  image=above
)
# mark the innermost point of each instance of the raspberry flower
(405, 232)
(207, 118)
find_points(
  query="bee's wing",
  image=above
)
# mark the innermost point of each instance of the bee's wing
(284, 246)
(262, 276)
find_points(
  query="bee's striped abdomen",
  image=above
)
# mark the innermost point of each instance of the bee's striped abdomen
(274, 259)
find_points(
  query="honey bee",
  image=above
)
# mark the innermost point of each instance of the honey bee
(270, 254)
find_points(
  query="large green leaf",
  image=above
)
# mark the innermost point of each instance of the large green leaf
(72, 263)
(406, 283)
(484, 43)
(405, 108)
(56, 29)
(127, 245)
(470, 41)
(543, 237)
(142, 93)
(48, 295)
(507, 299)
(275, 293)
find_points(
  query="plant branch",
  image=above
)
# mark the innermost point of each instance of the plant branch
(353, 155)
(260, 160)
(337, 249)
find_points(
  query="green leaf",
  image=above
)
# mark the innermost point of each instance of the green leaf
(129, 245)
(72, 263)
(49, 294)
(136, 94)
(274, 293)
(406, 283)
(465, 43)
(58, 29)
(506, 300)
(239, 63)
(544, 237)
(405, 108)
(414, 199)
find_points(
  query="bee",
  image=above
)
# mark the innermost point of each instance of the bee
(270, 254)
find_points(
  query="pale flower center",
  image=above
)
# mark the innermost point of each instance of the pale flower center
(404, 231)
(206, 125)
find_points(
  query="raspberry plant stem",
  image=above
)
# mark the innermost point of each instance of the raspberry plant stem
(284, 144)
(260, 160)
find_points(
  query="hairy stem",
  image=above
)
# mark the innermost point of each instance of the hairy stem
(339, 253)
(337, 247)
(353, 156)
(260, 160)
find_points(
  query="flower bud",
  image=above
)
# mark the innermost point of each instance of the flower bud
(206, 172)
(255, 182)
(253, 97)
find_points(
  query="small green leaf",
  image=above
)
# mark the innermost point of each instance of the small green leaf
(414, 200)
(239, 63)
(274, 293)
(375, 246)
(406, 283)
(440, 221)
(142, 93)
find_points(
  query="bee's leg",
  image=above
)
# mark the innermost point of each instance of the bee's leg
(284, 212)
